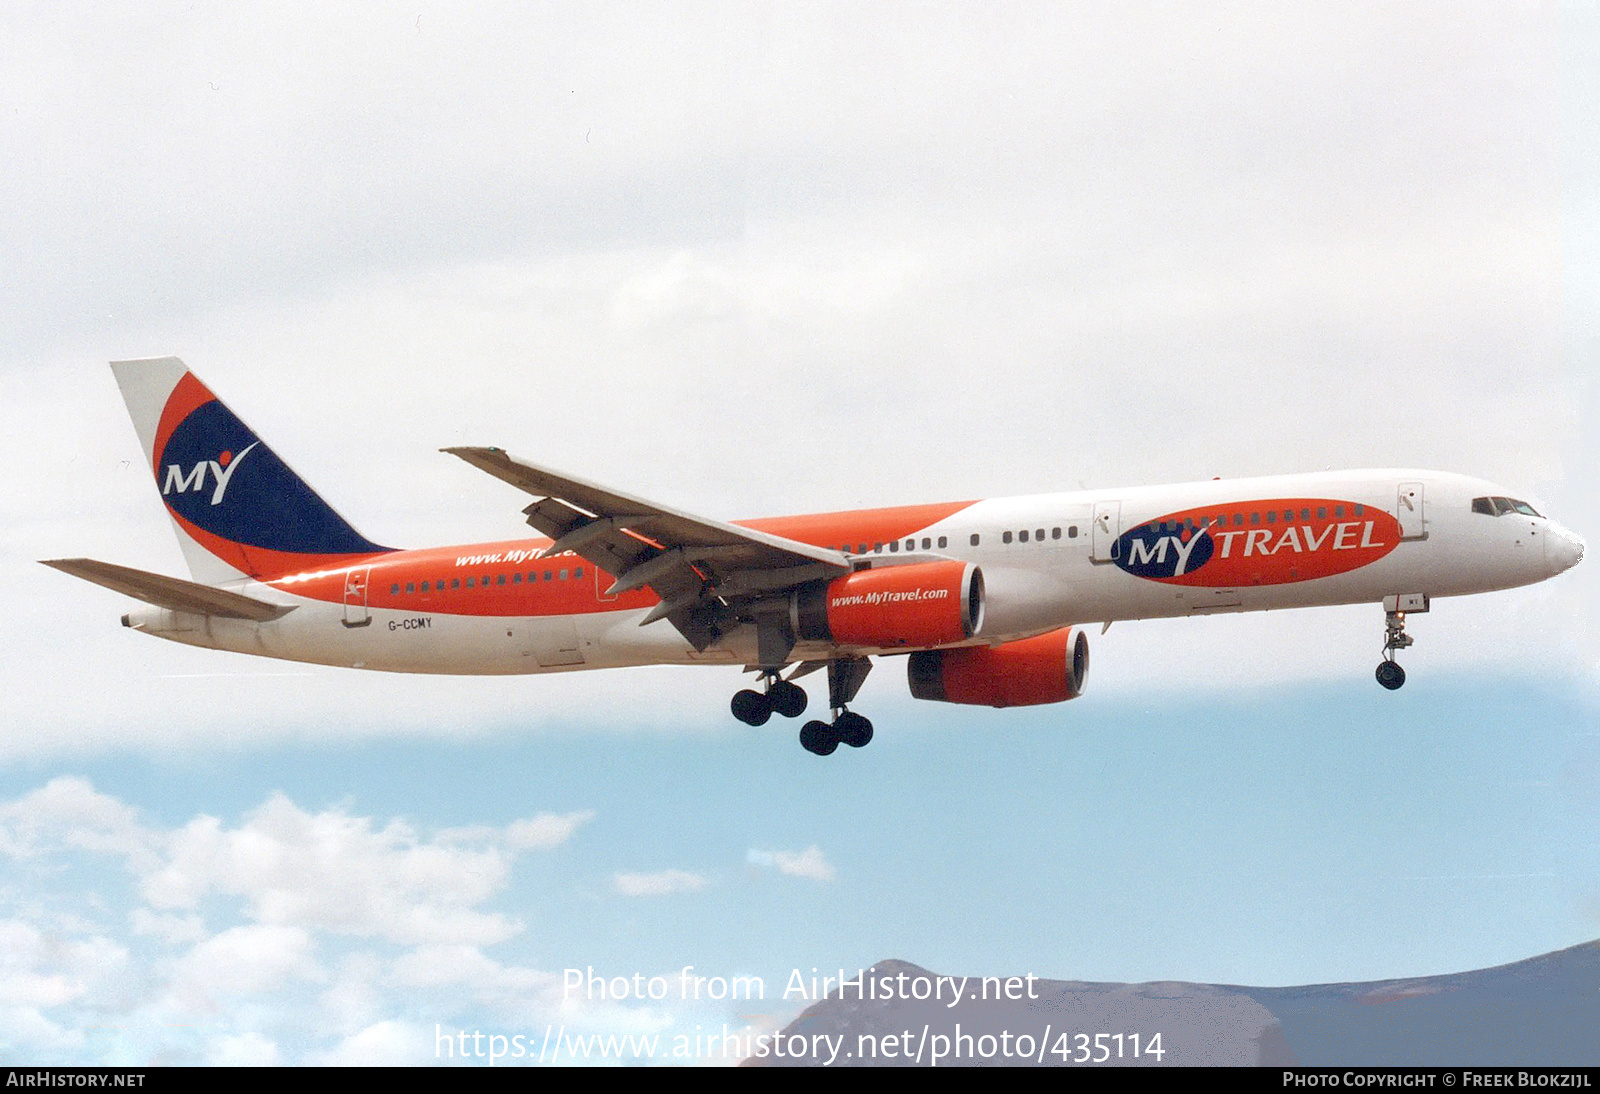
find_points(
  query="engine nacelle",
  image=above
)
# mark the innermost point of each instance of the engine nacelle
(1048, 668)
(919, 604)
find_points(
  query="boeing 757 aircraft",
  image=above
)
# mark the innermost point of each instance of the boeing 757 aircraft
(985, 598)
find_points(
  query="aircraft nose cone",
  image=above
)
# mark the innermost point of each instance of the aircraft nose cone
(1562, 550)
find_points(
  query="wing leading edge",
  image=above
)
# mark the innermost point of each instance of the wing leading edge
(710, 575)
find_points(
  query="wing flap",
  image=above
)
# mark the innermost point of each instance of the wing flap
(172, 593)
(665, 526)
(694, 564)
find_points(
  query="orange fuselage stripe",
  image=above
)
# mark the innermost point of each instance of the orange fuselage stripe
(495, 568)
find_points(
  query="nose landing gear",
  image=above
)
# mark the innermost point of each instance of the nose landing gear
(1395, 638)
(1390, 674)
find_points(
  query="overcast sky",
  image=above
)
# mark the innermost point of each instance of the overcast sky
(751, 260)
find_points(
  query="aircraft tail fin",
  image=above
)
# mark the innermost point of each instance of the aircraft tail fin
(239, 511)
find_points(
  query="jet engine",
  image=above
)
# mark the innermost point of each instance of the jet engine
(918, 604)
(1045, 669)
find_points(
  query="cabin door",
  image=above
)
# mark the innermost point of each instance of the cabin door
(355, 597)
(1408, 510)
(1105, 528)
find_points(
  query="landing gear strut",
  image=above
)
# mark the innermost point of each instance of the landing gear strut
(1395, 638)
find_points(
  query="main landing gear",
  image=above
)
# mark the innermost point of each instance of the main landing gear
(787, 698)
(784, 697)
(1395, 638)
(848, 727)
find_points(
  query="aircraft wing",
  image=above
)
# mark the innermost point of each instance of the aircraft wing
(700, 568)
(173, 593)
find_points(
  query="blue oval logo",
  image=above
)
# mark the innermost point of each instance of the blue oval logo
(1162, 549)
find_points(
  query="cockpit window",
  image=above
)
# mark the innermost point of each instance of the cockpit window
(1499, 507)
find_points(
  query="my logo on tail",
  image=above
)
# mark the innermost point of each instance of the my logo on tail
(221, 468)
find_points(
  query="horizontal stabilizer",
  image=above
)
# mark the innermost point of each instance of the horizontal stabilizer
(172, 593)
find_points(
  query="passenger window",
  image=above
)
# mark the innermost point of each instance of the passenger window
(578, 572)
(1272, 517)
(500, 579)
(455, 583)
(1055, 533)
(943, 543)
(894, 546)
(975, 539)
(1072, 532)
(394, 590)
(411, 586)
(549, 575)
(516, 579)
(1322, 512)
(1005, 537)
(563, 575)
(1023, 535)
(470, 585)
(424, 586)
(1255, 518)
(926, 543)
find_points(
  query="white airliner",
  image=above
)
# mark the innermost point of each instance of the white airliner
(986, 597)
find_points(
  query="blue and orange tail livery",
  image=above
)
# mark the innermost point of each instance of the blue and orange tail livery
(239, 511)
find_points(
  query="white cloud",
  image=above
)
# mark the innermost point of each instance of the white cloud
(332, 871)
(260, 926)
(389, 1043)
(43, 967)
(26, 1026)
(434, 966)
(68, 812)
(171, 929)
(810, 863)
(661, 883)
(245, 1050)
(546, 830)
(245, 960)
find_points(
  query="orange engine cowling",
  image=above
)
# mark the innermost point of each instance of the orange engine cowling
(919, 604)
(1045, 669)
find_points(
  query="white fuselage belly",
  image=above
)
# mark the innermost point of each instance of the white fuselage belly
(1061, 578)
